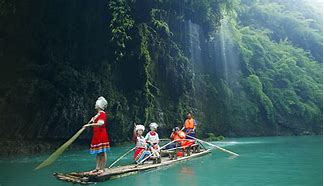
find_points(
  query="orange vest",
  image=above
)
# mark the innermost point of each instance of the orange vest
(179, 135)
(175, 136)
(182, 135)
(190, 123)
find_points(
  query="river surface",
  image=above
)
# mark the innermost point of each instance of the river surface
(262, 161)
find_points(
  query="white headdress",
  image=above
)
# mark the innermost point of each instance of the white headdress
(153, 126)
(101, 103)
(139, 127)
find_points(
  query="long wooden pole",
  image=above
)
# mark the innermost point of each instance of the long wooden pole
(180, 147)
(61, 149)
(220, 148)
(152, 153)
(112, 164)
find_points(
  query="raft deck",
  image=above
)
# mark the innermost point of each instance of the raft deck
(121, 171)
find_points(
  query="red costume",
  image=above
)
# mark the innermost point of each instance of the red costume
(100, 141)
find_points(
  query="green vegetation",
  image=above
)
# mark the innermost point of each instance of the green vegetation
(212, 137)
(300, 23)
(120, 24)
(245, 68)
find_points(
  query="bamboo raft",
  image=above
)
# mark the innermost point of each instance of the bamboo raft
(126, 170)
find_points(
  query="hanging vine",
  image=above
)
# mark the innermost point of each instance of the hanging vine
(121, 23)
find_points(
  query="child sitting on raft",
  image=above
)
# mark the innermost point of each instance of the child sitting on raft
(141, 150)
(152, 138)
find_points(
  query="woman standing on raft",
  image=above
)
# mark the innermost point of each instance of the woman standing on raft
(100, 141)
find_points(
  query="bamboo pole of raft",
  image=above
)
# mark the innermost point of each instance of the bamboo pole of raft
(180, 147)
(165, 139)
(152, 153)
(220, 148)
(113, 163)
(61, 149)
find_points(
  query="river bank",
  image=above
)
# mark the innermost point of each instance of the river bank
(29, 147)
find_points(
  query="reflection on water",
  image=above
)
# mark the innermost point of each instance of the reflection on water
(232, 157)
(231, 143)
(187, 176)
(186, 170)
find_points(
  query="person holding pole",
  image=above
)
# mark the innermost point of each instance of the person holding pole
(100, 141)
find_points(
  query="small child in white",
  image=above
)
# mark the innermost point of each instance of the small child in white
(152, 138)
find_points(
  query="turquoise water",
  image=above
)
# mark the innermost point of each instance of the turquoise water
(263, 161)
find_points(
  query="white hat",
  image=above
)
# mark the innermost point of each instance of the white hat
(139, 127)
(101, 103)
(153, 126)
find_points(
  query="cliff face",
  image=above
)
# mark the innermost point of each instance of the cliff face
(154, 61)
